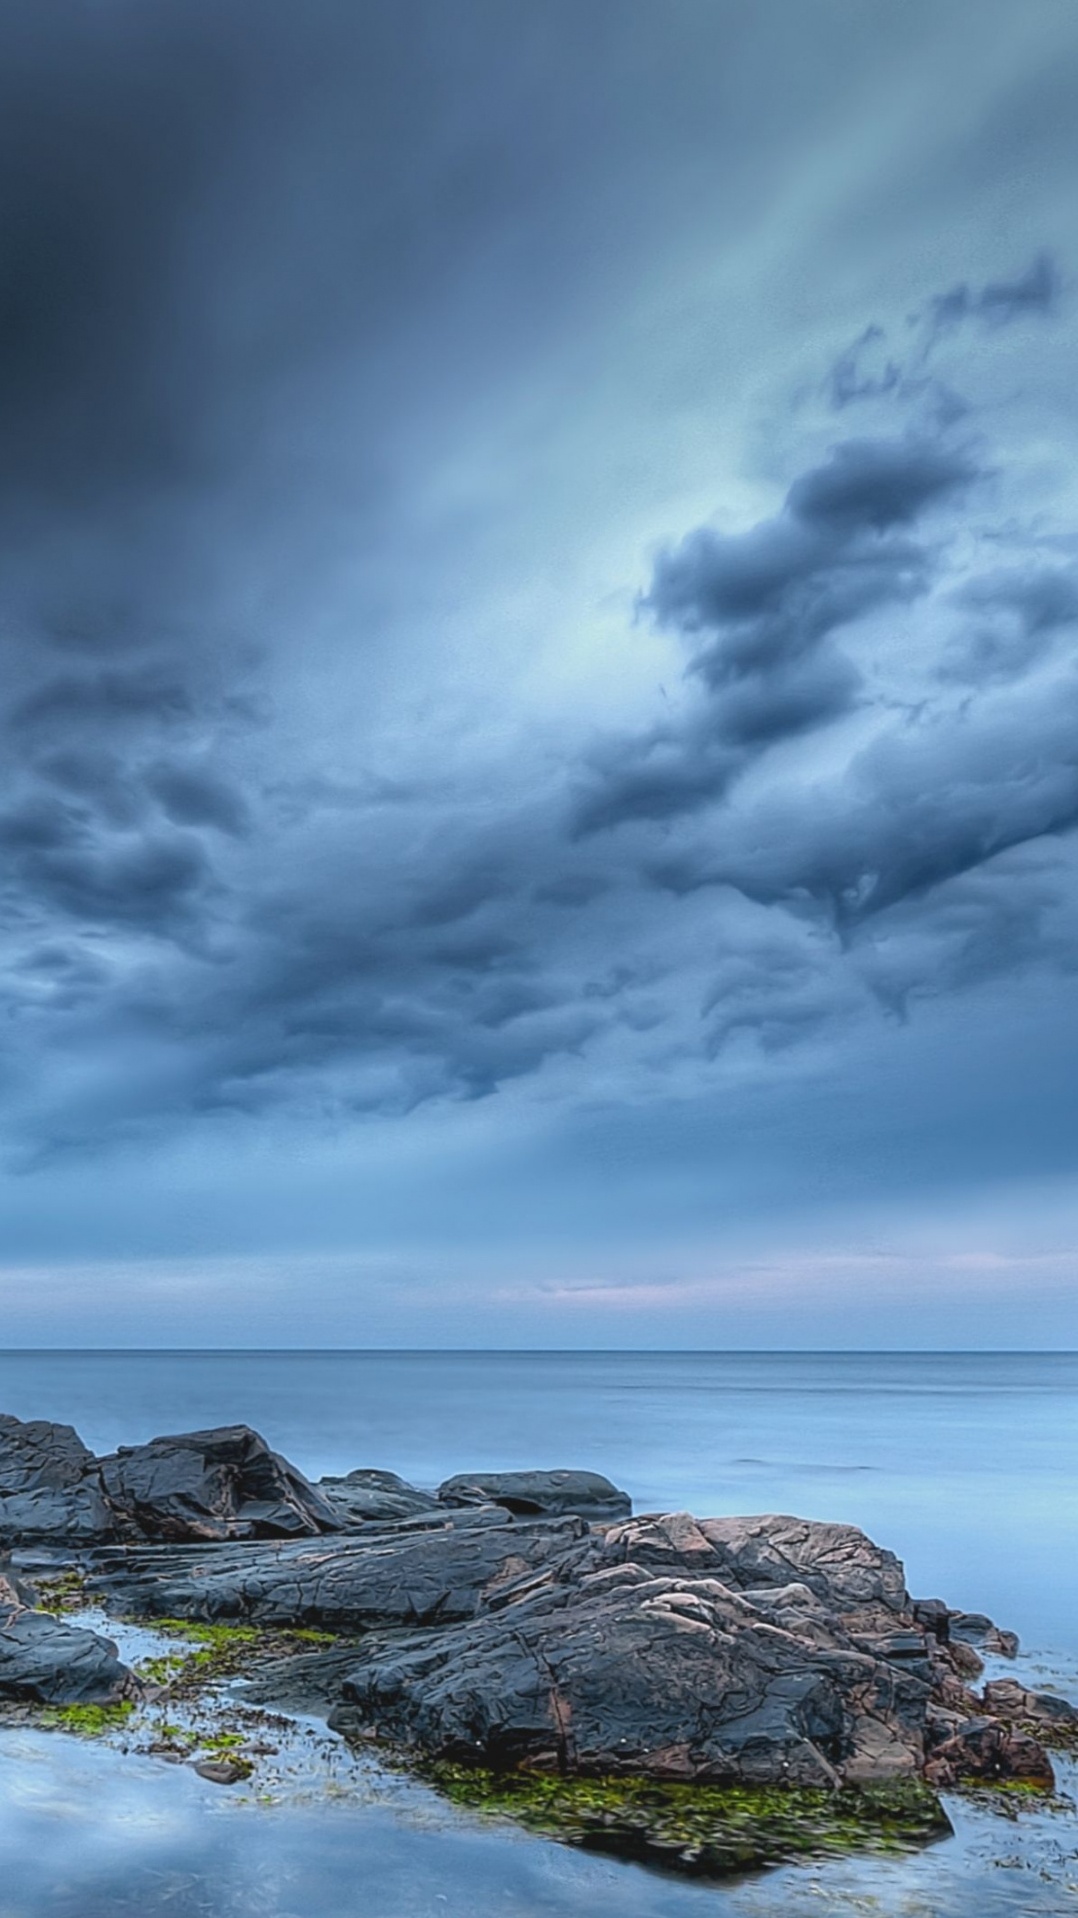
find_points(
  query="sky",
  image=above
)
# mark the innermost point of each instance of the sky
(538, 600)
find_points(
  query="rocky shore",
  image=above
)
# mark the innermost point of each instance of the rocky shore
(516, 1633)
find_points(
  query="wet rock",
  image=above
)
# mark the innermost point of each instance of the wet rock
(365, 1495)
(533, 1494)
(1045, 1713)
(218, 1484)
(983, 1750)
(195, 1485)
(632, 1671)
(974, 1628)
(400, 1577)
(48, 1487)
(222, 1771)
(36, 1455)
(48, 1662)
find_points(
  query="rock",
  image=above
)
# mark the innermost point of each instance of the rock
(400, 1577)
(48, 1662)
(219, 1484)
(366, 1495)
(196, 1485)
(974, 1628)
(37, 1455)
(48, 1490)
(533, 1494)
(984, 1750)
(222, 1771)
(837, 1562)
(627, 1670)
(1044, 1712)
(79, 1516)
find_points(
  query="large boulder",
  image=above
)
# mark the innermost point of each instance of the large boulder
(631, 1671)
(533, 1494)
(49, 1489)
(219, 1484)
(37, 1455)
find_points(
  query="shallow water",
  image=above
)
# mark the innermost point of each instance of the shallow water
(963, 1464)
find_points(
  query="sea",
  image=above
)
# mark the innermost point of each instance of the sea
(965, 1464)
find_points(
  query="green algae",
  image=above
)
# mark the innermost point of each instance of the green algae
(65, 1593)
(88, 1721)
(208, 1653)
(708, 1830)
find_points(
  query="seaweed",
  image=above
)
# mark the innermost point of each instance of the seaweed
(706, 1830)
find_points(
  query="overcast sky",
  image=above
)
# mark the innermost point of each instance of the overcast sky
(539, 596)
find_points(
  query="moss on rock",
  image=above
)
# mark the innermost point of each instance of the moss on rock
(709, 1830)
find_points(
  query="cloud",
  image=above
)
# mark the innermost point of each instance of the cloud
(766, 605)
(877, 367)
(282, 825)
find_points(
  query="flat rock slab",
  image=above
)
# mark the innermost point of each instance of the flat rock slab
(535, 1494)
(406, 1577)
(363, 1496)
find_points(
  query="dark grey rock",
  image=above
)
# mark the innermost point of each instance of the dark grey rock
(195, 1485)
(400, 1577)
(634, 1671)
(534, 1494)
(366, 1495)
(218, 1484)
(45, 1661)
(974, 1628)
(36, 1455)
(77, 1515)
(48, 1484)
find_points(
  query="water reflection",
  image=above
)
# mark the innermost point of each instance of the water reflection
(88, 1832)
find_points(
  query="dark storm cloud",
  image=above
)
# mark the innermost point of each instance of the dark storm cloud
(939, 797)
(248, 253)
(767, 603)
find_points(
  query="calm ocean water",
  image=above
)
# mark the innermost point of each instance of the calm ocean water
(965, 1464)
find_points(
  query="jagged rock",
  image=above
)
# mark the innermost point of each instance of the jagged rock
(532, 1494)
(629, 1670)
(402, 1577)
(1049, 1714)
(219, 1484)
(79, 1516)
(48, 1662)
(983, 1749)
(362, 1496)
(37, 1455)
(195, 1485)
(48, 1490)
